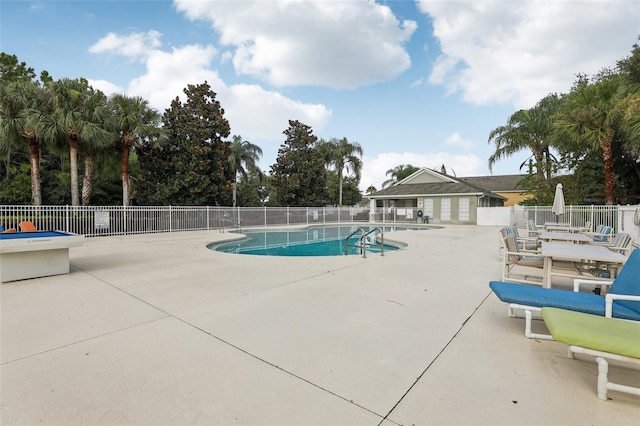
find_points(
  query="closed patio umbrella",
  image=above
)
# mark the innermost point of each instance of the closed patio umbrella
(558, 202)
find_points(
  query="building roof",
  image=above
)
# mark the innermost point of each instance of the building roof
(497, 183)
(437, 188)
(450, 185)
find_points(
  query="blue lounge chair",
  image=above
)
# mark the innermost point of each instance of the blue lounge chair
(533, 299)
(601, 337)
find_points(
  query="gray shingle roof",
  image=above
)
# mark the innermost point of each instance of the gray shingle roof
(495, 183)
(438, 188)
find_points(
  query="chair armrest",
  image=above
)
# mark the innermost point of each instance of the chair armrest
(609, 298)
(579, 281)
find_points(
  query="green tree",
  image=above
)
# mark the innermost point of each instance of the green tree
(192, 166)
(12, 70)
(398, 173)
(133, 121)
(593, 113)
(25, 112)
(244, 157)
(342, 156)
(351, 194)
(298, 173)
(80, 113)
(528, 129)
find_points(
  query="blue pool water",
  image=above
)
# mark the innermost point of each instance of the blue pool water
(315, 241)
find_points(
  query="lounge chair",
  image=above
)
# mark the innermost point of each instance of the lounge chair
(27, 226)
(533, 299)
(602, 337)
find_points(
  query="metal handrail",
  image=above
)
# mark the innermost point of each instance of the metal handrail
(363, 241)
(346, 241)
(221, 222)
(381, 241)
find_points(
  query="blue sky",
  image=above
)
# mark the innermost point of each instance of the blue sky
(414, 82)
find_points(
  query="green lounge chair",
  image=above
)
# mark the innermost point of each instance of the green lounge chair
(602, 337)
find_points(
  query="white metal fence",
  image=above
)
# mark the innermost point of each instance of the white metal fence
(120, 220)
(574, 216)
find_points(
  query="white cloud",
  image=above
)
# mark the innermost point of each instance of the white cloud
(257, 114)
(133, 46)
(339, 44)
(107, 87)
(375, 168)
(517, 52)
(456, 140)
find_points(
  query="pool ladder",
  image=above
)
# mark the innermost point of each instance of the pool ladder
(362, 241)
(231, 223)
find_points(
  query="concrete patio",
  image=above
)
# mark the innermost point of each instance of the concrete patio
(159, 330)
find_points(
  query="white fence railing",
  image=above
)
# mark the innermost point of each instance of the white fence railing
(120, 220)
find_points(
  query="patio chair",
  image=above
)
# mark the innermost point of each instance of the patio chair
(532, 229)
(515, 257)
(533, 299)
(621, 243)
(602, 234)
(27, 226)
(605, 338)
(527, 243)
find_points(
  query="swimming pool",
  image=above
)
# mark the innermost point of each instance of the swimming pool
(314, 241)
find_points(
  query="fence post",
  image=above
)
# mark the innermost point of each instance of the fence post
(67, 219)
(170, 218)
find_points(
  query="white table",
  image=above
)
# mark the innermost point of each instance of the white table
(553, 251)
(26, 255)
(564, 228)
(568, 237)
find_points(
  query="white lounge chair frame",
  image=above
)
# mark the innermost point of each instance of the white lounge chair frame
(529, 310)
(604, 384)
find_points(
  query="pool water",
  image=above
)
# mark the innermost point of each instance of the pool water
(315, 241)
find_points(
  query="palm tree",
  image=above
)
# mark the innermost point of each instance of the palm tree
(343, 156)
(133, 119)
(398, 173)
(81, 113)
(24, 112)
(528, 129)
(243, 158)
(594, 113)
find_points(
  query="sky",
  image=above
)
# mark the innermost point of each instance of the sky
(413, 82)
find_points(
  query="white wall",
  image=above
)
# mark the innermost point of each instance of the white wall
(493, 216)
(627, 218)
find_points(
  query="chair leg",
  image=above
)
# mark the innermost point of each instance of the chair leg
(527, 328)
(603, 380)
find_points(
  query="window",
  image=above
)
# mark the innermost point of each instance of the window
(445, 209)
(428, 207)
(463, 210)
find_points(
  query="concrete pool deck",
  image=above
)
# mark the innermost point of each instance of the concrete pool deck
(159, 330)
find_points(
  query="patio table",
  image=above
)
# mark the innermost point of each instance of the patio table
(558, 227)
(553, 251)
(569, 237)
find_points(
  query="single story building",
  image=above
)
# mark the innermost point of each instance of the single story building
(447, 199)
